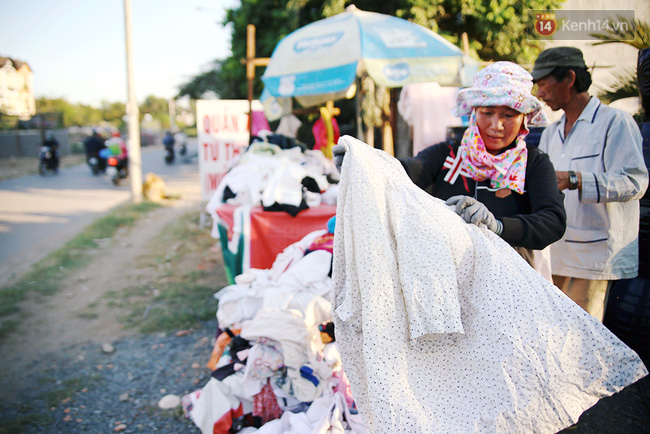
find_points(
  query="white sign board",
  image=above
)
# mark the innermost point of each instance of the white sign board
(222, 133)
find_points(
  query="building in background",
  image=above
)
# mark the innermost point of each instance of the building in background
(16, 89)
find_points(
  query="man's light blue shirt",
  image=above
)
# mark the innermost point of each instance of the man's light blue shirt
(601, 239)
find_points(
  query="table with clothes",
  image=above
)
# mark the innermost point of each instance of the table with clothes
(276, 193)
(251, 237)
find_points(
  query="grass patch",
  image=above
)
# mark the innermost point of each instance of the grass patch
(189, 275)
(180, 305)
(46, 276)
(28, 418)
(7, 326)
(89, 312)
(68, 388)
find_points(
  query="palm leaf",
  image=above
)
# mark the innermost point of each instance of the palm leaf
(622, 85)
(632, 32)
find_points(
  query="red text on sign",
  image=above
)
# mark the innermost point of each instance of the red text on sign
(215, 151)
(225, 123)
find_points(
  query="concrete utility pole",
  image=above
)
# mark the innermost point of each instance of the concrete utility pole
(135, 160)
(171, 103)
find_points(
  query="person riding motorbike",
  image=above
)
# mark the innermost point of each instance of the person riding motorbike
(53, 145)
(168, 142)
(93, 144)
(120, 152)
(181, 139)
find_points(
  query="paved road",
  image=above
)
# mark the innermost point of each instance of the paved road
(40, 214)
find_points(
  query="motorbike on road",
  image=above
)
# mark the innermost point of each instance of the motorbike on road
(168, 143)
(116, 153)
(95, 163)
(169, 155)
(117, 169)
(47, 161)
(180, 139)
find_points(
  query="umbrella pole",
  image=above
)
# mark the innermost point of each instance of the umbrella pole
(250, 74)
(357, 111)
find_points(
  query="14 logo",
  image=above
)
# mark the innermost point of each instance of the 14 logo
(545, 24)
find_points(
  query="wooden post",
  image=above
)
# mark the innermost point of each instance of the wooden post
(465, 41)
(250, 73)
(251, 62)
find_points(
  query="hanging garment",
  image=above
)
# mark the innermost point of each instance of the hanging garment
(426, 107)
(442, 326)
(323, 129)
(259, 123)
(289, 125)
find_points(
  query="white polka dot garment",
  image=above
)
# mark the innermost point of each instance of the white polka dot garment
(443, 327)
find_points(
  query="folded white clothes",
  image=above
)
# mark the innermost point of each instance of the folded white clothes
(286, 326)
(443, 327)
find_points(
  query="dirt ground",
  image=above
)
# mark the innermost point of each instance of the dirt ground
(52, 323)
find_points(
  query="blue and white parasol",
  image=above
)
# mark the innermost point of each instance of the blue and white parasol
(319, 62)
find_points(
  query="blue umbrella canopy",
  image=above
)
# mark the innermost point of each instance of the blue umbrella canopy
(320, 61)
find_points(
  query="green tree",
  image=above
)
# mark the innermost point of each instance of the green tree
(497, 30)
(113, 113)
(81, 115)
(203, 83)
(158, 108)
(77, 115)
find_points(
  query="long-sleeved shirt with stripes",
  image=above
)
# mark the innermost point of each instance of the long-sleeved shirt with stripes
(601, 239)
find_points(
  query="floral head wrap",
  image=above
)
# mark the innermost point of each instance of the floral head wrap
(502, 83)
(499, 84)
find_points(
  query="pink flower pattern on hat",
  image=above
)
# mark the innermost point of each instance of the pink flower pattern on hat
(502, 84)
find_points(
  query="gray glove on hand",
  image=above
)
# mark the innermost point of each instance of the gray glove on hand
(338, 152)
(473, 211)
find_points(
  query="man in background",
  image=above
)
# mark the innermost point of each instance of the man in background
(597, 154)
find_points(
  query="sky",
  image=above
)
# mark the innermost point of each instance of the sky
(77, 48)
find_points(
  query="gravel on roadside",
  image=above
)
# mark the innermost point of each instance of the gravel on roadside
(84, 389)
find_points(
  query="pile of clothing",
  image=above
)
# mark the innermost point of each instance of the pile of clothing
(275, 363)
(278, 177)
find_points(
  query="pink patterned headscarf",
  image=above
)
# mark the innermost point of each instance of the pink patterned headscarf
(504, 170)
(502, 83)
(499, 84)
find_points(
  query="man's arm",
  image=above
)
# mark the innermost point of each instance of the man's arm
(424, 167)
(625, 177)
(563, 182)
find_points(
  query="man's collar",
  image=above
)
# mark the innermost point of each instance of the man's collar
(589, 112)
